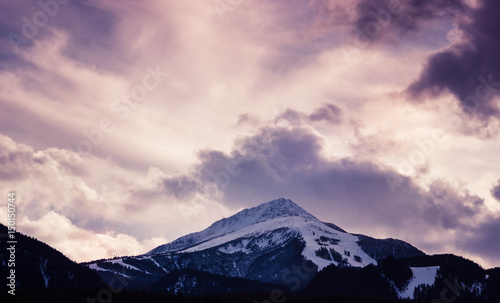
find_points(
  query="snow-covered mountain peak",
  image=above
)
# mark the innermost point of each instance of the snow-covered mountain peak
(260, 243)
(269, 226)
(279, 208)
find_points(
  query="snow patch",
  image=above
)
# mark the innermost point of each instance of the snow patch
(477, 287)
(96, 267)
(123, 264)
(421, 275)
(46, 278)
(156, 263)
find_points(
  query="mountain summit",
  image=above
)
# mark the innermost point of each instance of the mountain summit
(279, 208)
(261, 243)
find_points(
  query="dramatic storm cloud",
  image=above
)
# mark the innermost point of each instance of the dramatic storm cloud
(126, 125)
(470, 68)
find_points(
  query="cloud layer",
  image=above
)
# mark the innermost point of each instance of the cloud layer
(132, 124)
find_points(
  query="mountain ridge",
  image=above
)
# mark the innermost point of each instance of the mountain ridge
(259, 243)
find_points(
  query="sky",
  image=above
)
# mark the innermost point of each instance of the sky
(126, 124)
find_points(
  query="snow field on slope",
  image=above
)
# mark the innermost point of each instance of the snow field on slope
(120, 262)
(123, 264)
(314, 230)
(96, 267)
(246, 232)
(311, 230)
(421, 275)
(154, 261)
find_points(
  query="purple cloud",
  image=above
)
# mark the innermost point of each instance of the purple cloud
(91, 31)
(328, 112)
(495, 191)
(469, 69)
(483, 239)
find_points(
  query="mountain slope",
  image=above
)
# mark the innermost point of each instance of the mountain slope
(383, 248)
(39, 266)
(262, 243)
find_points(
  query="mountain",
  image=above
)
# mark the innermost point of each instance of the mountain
(270, 252)
(266, 243)
(39, 266)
